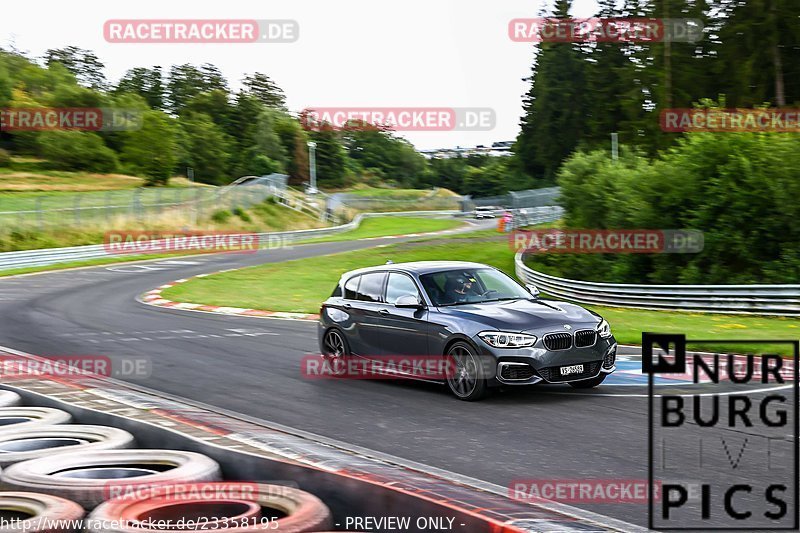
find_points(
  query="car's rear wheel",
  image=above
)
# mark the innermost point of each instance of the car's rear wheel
(335, 352)
(588, 383)
(465, 374)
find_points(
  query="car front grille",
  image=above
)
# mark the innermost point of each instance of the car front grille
(585, 337)
(516, 372)
(558, 341)
(553, 374)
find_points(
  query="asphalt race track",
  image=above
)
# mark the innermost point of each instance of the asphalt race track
(252, 366)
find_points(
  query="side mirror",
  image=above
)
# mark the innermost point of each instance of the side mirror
(408, 301)
(533, 290)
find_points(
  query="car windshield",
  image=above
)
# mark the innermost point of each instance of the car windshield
(470, 286)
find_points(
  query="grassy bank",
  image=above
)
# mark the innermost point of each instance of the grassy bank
(384, 226)
(300, 286)
(377, 227)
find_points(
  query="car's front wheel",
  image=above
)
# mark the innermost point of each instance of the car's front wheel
(588, 383)
(335, 352)
(465, 374)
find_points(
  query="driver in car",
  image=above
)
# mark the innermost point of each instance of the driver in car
(464, 289)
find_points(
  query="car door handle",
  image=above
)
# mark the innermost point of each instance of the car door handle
(347, 306)
(384, 312)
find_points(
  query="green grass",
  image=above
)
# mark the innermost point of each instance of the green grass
(385, 226)
(56, 199)
(263, 217)
(88, 263)
(300, 286)
(628, 325)
(30, 182)
(397, 194)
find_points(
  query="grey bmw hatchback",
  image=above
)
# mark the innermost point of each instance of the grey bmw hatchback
(490, 330)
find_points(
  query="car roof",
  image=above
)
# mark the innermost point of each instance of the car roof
(420, 267)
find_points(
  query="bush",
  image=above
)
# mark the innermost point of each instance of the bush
(5, 158)
(739, 189)
(75, 150)
(241, 213)
(221, 216)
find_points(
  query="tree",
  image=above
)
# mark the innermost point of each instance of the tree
(376, 149)
(205, 148)
(152, 150)
(216, 105)
(267, 91)
(146, 82)
(555, 112)
(266, 153)
(295, 143)
(84, 64)
(187, 81)
(330, 157)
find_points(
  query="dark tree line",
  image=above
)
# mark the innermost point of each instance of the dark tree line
(749, 55)
(739, 189)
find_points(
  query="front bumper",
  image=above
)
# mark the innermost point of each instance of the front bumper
(529, 366)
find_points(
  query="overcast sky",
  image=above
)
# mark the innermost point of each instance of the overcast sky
(355, 53)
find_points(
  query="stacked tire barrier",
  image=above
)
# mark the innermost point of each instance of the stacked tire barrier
(54, 473)
(8, 398)
(166, 451)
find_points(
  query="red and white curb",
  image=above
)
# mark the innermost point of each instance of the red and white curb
(155, 298)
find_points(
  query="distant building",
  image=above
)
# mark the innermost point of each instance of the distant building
(498, 149)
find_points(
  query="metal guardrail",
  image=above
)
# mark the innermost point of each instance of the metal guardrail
(730, 299)
(53, 256)
(521, 199)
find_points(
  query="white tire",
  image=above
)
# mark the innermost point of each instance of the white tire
(20, 418)
(8, 398)
(46, 441)
(89, 478)
(299, 511)
(42, 513)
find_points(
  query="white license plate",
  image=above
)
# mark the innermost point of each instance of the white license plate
(574, 369)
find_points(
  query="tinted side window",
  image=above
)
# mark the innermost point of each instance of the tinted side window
(371, 287)
(434, 286)
(351, 288)
(337, 292)
(399, 285)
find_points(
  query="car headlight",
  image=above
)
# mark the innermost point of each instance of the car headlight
(504, 339)
(603, 329)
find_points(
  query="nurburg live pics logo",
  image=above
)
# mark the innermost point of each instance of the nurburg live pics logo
(724, 449)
